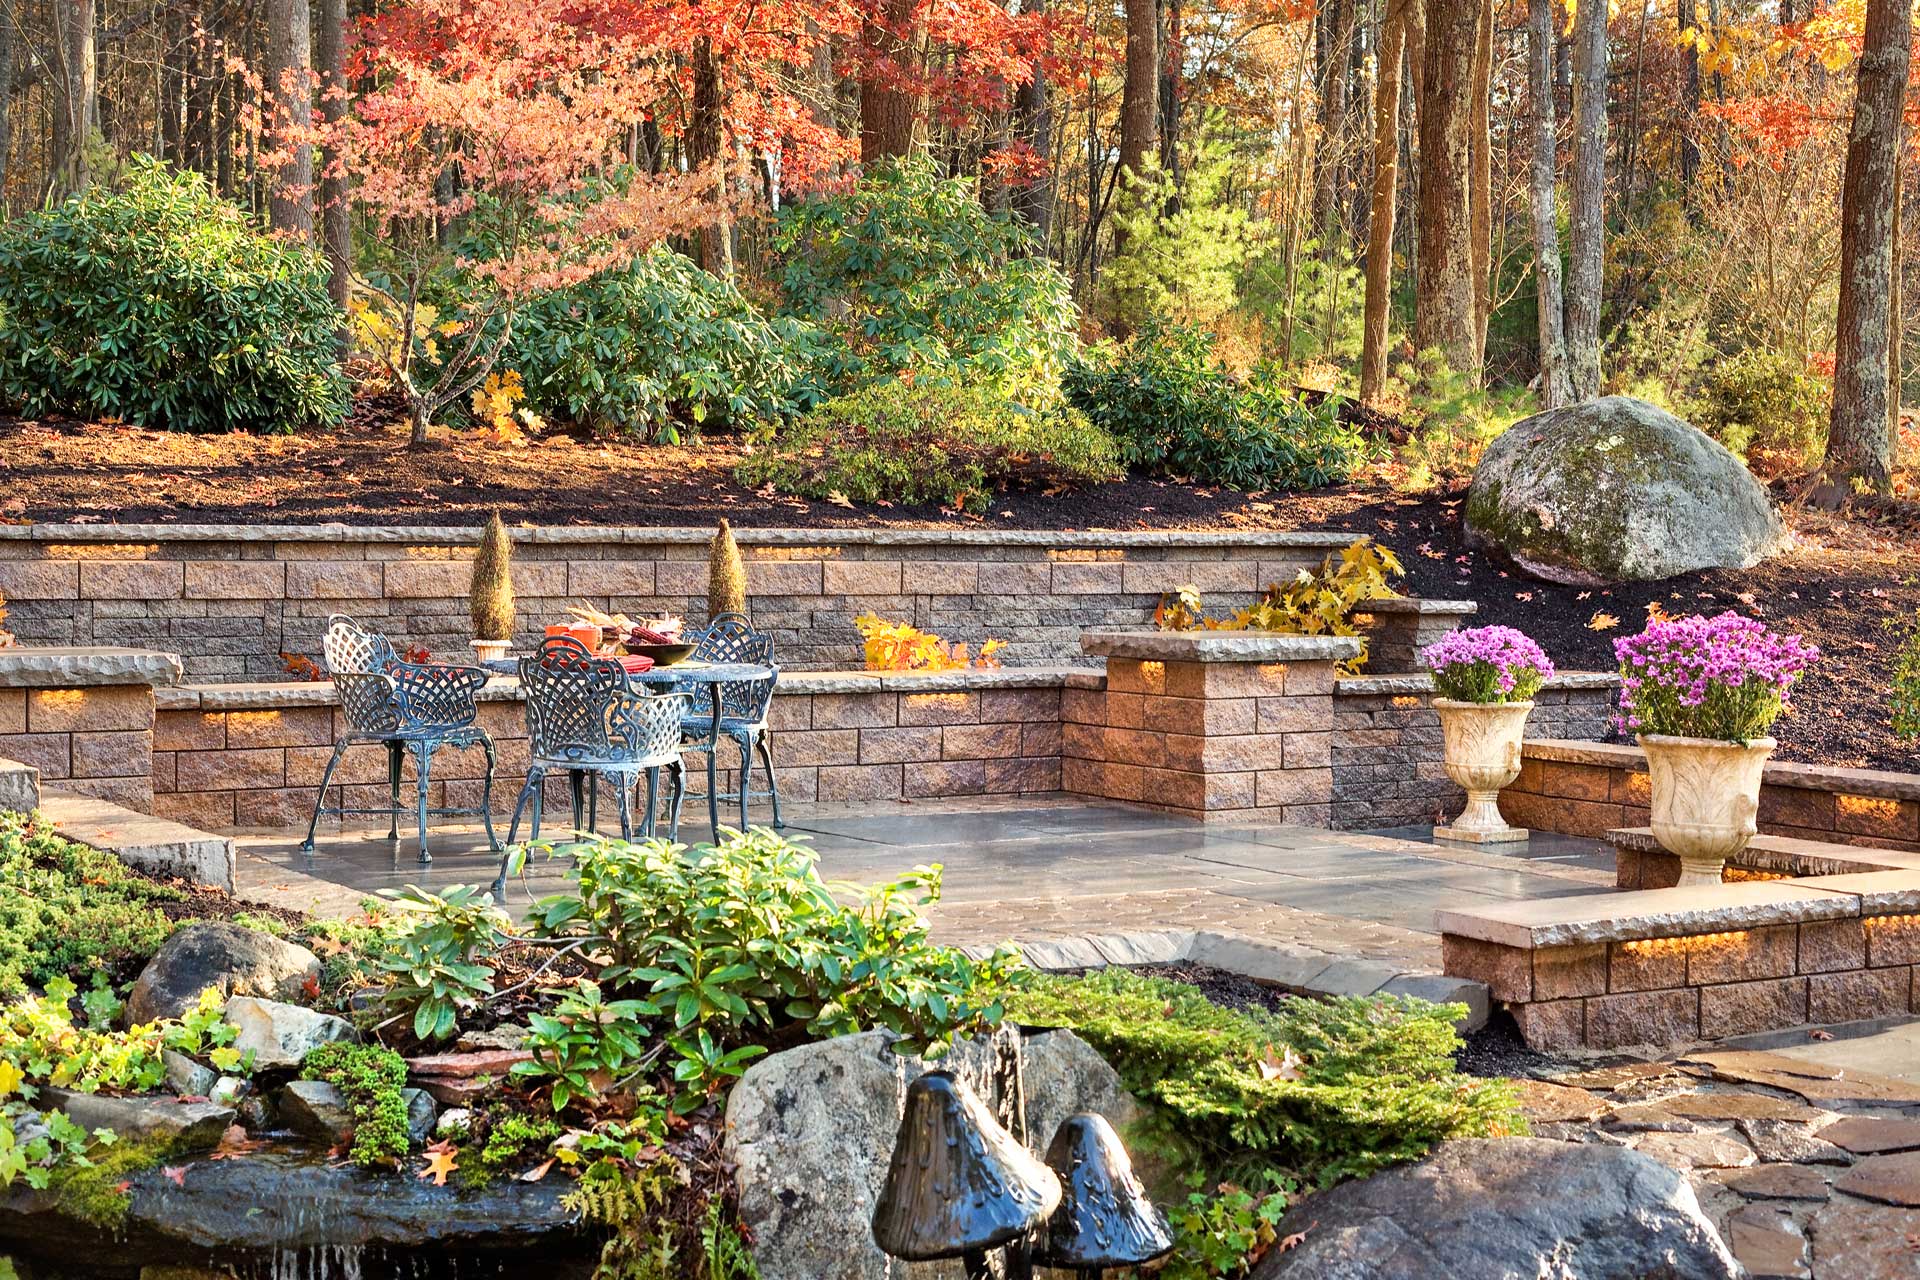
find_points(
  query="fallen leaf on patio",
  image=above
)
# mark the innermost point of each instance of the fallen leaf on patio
(1819, 1035)
(440, 1163)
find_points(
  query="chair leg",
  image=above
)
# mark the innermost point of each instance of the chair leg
(486, 795)
(578, 782)
(539, 786)
(626, 784)
(773, 783)
(593, 801)
(423, 777)
(528, 792)
(678, 796)
(653, 801)
(713, 792)
(746, 778)
(394, 751)
(333, 762)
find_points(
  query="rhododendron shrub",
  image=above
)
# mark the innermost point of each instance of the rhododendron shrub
(491, 154)
(1696, 677)
(1486, 664)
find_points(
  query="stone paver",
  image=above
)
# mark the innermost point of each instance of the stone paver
(1887, 1179)
(1873, 1135)
(1778, 1182)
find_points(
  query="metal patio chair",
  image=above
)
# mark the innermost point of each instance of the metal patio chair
(744, 705)
(407, 707)
(585, 716)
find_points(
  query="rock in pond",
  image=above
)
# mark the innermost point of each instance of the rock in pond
(316, 1110)
(1617, 490)
(281, 1035)
(1507, 1207)
(272, 1207)
(810, 1132)
(232, 960)
(194, 1126)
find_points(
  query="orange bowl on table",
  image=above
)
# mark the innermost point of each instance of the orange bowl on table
(586, 635)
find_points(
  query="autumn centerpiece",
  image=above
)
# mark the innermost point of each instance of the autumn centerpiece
(1701, 694)
(1484, 679)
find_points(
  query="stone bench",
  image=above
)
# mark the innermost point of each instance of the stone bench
(1673, 966)
(83, 717)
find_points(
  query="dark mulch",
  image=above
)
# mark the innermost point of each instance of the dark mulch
(1849, 586)
(1496, 1051)
(1224, 987)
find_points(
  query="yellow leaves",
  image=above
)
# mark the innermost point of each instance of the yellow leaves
(901, 646)
(494, 404)
(1602, 621)
(11, 1077)
(440, 1163)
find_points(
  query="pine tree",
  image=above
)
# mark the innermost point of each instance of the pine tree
(726, 574)
(490, 602)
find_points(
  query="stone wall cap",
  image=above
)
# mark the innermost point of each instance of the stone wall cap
(1881, 893)
(1650, 913)
(446, 535)
(1418, 605)
(1880, 784)
(1218, 646)
(1784, 853)
(86, 667)
(1415, 682)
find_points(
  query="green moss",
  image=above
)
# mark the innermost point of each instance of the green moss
(97, 1192)
(371, 1076)
(70, 910)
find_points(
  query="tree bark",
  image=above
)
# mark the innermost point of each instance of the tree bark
(1480, 198)
(1858, 448)
(1032, 197)
(1445, 297)
(889, 104)
(1554, 391)
(336, 232)
(1140, 90)
(73, 116)
(1335, 48)
(1589, 228)
(706, 138)
(289, 89)
(6, 104)
(1386, 183)
(1687, 19)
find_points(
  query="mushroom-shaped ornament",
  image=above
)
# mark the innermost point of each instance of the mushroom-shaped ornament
(958, 1184)
(1105, 1218)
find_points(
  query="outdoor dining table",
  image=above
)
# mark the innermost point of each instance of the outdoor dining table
(677, 678)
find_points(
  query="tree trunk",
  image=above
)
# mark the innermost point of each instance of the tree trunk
(6, 105)
(1689, 99)
(73, 115)
(198, 129)
(1335, 44)
(889, 104)
(1168, 28)
(1589, 224)
(1445, 300)
(289, 90)
(706, 136)
(1481, 195)
(1858, 450)
(336, 232)
(1386, 182)
(1546, 229)
(173, 55)
(1032, 197)
(1140, 91)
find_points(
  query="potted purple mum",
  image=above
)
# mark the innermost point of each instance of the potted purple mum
(1484, 679)
(1702, 693)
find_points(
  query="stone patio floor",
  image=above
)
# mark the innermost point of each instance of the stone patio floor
(1027, 869)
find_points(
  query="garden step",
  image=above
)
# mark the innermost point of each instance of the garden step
(142, 841)
(19, 786)
(1640, 862)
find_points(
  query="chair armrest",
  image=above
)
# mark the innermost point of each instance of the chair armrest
(369, 700)
(440, 695)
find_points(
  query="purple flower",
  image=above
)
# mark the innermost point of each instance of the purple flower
(1725, 677)
(1486, 664)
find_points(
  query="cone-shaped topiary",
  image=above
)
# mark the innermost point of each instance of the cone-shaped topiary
(490, 603)
(726, 575)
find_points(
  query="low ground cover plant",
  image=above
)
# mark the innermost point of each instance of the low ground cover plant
(901, 646)
(952, 445)
(70, 910)
(1487, 664)
(1726, 677)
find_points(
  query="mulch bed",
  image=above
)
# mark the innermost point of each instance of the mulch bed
(1851, 584)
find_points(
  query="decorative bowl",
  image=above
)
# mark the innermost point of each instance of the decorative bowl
(663, 655)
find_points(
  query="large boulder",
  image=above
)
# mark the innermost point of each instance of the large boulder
(188, 1126)
(232, 960)
(810, 1132)
(1615, 490)
(1507, 1207)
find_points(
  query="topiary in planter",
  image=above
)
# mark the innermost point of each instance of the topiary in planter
(490, 601)
(726, 574)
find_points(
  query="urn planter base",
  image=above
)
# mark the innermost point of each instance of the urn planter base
(1705, 796)
(1482, 756)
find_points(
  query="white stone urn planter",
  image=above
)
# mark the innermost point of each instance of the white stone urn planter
(485, 651)
(1706, 793)
(1482, 755)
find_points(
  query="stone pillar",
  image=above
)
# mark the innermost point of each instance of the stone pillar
(84, 718)
(1213, 724)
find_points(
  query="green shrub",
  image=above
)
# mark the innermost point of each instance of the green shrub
(1324, 1090)
(1758, 400)
(69, 910)
(158, 303)
(657, 347)
(952, 445)
(1172, 408)
(908, 271)
(371, 1076)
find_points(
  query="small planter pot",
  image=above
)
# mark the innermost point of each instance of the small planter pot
(485, 651)
(1482, 755)
(1705, 795)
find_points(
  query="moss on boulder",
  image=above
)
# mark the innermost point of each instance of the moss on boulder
(1615, 490)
